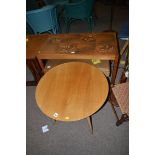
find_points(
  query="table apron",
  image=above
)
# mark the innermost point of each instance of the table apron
(72, 56)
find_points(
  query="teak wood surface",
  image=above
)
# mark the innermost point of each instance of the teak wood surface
(71, 91)
(102, 45)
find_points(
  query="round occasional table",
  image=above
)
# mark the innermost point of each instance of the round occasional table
(72, 91)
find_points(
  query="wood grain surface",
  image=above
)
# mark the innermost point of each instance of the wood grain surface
(73, 46)
(71, 91)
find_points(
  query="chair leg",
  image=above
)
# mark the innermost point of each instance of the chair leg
(123, 118)
(114, 111)
(54, 30)
(90, 22)
(68, 22)
(58, 28)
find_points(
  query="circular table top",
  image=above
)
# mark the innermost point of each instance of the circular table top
(71, 91)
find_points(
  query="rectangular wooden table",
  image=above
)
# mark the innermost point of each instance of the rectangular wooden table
(102, 45)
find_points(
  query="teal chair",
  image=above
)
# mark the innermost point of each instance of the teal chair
(81, 10)
(43, 20)
(59, 6)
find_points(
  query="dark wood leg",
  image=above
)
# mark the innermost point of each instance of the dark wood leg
(31, 83)
(35, 70)
(29, 63)
(114, 110)
(111, 17)
(112, 99)
(89, 119)
(95, 10)
(123, 78)
(124, 118)
(40, 3)
(55, 122)
(114, 71)
(113, 103)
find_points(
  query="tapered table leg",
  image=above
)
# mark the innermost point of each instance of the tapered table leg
(55, 122)
(89, 119)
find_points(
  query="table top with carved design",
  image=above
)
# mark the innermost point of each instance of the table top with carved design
(102, 45)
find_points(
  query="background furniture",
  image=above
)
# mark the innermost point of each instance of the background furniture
(58, 3)
(43, 20)
(124, 32)
(81, 10)
(59, 7)
(119, 96)
(83, 46)
(72, 91)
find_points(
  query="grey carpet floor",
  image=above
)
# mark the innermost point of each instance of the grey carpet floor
(74, 138)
